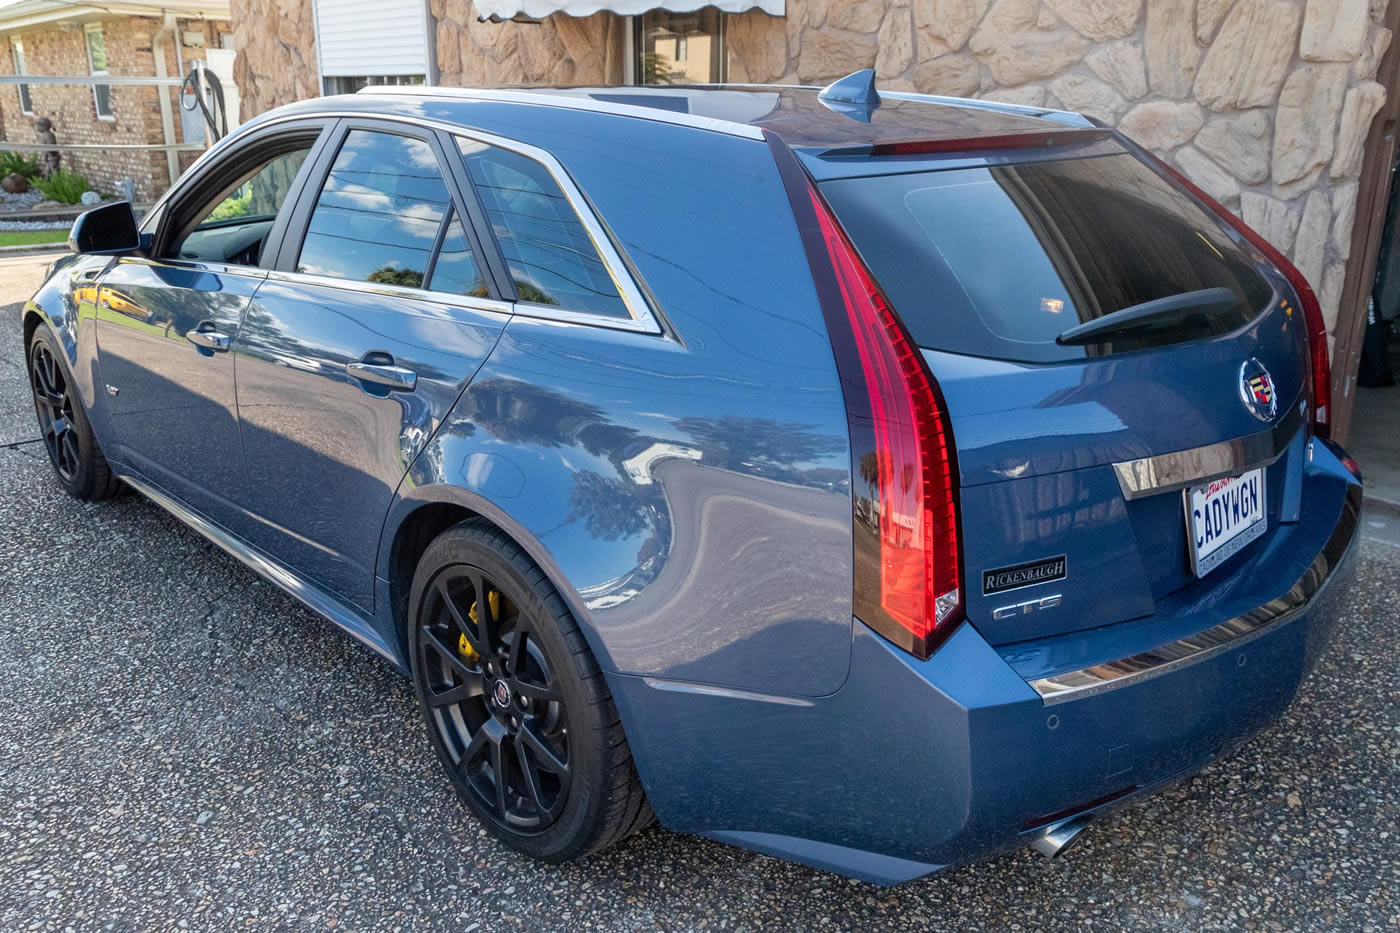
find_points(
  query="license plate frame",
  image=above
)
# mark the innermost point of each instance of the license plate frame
(1226, 531)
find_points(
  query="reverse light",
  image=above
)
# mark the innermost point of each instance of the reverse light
(910, 467)
(1315, 328)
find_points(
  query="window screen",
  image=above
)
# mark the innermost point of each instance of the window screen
(381, 213)
(551, 257)
(97, 65)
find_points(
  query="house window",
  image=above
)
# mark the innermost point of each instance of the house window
(26, 105)
(349, 84)
(97, 65)
(680, 48)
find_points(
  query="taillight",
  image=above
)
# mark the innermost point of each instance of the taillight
(907, 492)
(1319, 369)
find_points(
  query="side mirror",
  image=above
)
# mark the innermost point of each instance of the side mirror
(109, 230)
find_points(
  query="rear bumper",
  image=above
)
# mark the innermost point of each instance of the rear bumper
(916, 765)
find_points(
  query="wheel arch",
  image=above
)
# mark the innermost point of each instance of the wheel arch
(419, 516)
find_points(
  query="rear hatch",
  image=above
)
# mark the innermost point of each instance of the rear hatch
(988, 261)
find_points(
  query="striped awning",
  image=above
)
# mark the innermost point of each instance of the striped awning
(539, 9)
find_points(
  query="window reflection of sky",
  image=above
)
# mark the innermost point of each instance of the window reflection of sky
(378, 213)
(456, 271)
(551, 257)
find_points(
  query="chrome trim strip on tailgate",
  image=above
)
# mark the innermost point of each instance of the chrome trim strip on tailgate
(1218, 638)
(1150, 476)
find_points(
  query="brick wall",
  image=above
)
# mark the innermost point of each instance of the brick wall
(62, 50)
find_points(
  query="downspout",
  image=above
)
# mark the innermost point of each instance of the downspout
(167, 117)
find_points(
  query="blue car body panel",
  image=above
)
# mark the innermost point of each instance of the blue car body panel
(915, 765)
(315, 438)
(689, 492)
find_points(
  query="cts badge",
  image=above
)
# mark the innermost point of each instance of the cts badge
(1257, 390)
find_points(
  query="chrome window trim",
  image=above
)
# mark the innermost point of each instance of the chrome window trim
(1151, 476)
(642, 320)
(554, 98)
(446, 299)
(214, 268)
(640, 312)
(1226, 636)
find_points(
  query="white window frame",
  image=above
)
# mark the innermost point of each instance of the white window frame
(631, 50)
(22, 68)
(88, 31)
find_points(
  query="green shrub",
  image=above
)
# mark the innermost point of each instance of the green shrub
(63, 186)
(18, 162)
(237, 205)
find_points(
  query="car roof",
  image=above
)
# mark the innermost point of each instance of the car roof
(799, 115)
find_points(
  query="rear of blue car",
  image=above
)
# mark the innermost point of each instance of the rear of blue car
(1099, 529)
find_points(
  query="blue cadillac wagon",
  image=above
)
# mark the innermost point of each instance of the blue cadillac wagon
(874, 480)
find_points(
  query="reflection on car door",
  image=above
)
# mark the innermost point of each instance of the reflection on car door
(165, 326)
(355, 349)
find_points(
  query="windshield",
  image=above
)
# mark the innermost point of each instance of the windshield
(998, 261)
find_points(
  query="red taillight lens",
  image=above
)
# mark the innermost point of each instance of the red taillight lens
(1320, 369)
(913, 464)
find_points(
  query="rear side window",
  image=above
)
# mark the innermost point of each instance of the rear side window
(998, 261)
(551, 258)
(382, 215)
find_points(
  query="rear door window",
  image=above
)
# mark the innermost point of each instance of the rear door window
(551, 257)
(998, 261)
(384, 215)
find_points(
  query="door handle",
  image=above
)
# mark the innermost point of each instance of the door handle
(395, 378)
(208, 339)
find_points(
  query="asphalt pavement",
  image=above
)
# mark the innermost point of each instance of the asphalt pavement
(184, 747)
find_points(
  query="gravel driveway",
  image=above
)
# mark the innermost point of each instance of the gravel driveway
(183, 746)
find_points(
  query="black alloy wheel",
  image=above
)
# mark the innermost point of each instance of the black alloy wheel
(515, 705)
(491, 694)
(54, 405)
(63, 424)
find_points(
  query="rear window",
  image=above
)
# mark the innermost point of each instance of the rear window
(998, 261)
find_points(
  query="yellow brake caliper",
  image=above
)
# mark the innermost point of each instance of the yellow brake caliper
(464, 647)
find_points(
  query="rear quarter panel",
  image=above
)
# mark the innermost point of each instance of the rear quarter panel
(689, 492)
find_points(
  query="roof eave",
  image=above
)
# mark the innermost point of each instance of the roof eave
(31, 14)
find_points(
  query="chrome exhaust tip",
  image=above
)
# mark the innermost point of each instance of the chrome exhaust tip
(1054, 839)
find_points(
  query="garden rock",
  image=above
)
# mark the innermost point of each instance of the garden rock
(91, 199)
(15, 183)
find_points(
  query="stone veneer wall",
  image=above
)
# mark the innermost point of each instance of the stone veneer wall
(1263, 103)
(276, 62)
(560, 50)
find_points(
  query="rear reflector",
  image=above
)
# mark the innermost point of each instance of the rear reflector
(1320, 369)
(910, 470)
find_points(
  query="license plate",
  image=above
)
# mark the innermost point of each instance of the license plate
(1223, 516)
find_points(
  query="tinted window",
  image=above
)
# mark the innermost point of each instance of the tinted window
(455, 270)
(378, 217)
(999, 261)
(551, 257)
(233, 226)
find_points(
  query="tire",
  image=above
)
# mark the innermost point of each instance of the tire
(74, 453)
(522, 693)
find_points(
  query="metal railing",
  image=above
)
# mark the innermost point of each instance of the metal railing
(169, 147)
